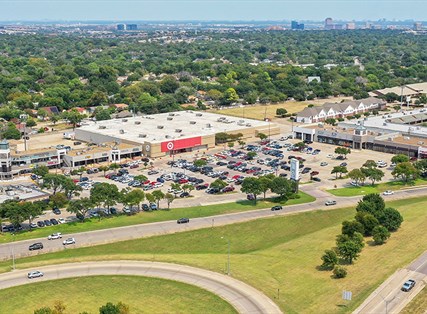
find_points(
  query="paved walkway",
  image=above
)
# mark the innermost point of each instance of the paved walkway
(244, 298)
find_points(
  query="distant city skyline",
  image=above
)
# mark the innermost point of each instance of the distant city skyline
(179, 10)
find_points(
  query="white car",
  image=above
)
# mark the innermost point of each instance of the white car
(323, 164)
(388, 192)
(55, 236)
(69, 241)
(61, 220)
(34, 274)
(158, 184)
(330, 156)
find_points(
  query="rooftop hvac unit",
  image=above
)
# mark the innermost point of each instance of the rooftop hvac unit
(160, 126)
(167, 136)
(390, 139)
(171, 114)
(182, 135)
(178, 130)
(124, 120)
(248, 124)
(142, 135)
(384, 124)
(406, 138)
(169, 118)
(208, 125)
(192, 122)
(102, 127)
(138, 122)
(122, 131)
(420, 143)
(199, 114)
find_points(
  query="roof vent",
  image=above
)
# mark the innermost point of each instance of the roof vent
(178, 130)
(171, 115)
(122, 131)
(208, 125)
(124, 120)
(167, 136)
(199, 114)
(248, 124)
(160, 126)
(142, 135)
(420, 143)
(192, 122)
(102, 127)
(138, 122)
(169, 118)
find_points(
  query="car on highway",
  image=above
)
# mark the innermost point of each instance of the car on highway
(69, 241)
(388, 192)
(34, 274)
(55, 236)
(36, 246)
(408, 285)
(329, 203)
(183, 220)
(277, 207)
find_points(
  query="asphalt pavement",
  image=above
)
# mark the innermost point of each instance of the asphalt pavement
(244, 298)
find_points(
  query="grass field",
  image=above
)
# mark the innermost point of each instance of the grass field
(275, 253)
(418, 304)
(376, 188)
(141, 294)
(258, 112)
(154, 216)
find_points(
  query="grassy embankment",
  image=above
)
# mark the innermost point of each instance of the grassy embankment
(275, 253)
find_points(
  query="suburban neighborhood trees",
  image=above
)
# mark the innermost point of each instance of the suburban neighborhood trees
(80, 207)
(405, 171)
(399, 158)
(342, 151)
(380, 234)
(252, 185)
(330, 259)
(357, 176)
(339, 170)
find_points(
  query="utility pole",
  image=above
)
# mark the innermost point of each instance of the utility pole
(228, 255)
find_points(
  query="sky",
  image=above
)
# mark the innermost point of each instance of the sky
(146, 10)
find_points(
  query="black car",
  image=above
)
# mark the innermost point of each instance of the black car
(316, 179)
(145, 207)
(56, 211)
(277, 207)
(54, 221)
(47, 222)
(343, 164)
(183, 220)
(113, 211)
(184, 194)
(40, 223)
(36, 246)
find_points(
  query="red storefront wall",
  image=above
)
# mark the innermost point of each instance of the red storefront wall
(181, 143)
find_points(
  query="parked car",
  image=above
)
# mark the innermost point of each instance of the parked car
(317, 179)
(69, 241)
(54, 221)
(145, 207)
(343, 164)
(56, 211)
(34, 274)
(55, 236)
(250, 197)
(277, 207)
(153, 206)
(323, 164)
(408, 285)
(36, 246)
(40, 224)
(388, 192)
(47, 223)
(61, 220)
(184, 194)
(183, 220)
(329, 203)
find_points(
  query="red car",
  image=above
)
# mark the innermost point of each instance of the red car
(314, 173)
(134, 166)
(183, 181)
(146, 182)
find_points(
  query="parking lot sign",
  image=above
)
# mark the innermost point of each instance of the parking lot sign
(346, 295)
(294, 169)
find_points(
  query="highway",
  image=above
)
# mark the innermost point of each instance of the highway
(244, 298)
(90, 238)
(388, 298)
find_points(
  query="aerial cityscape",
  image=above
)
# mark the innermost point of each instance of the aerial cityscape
(213, 156)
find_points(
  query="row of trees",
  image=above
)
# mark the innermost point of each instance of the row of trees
(372, 219)
(281, 186)
(109, 308)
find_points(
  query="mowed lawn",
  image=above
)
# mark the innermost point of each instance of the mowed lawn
(88, 294)
(258, 112)
(418, 304)
(376, 188)
(278, 256)
(153, 216)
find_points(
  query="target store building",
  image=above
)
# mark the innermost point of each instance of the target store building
(172, 133)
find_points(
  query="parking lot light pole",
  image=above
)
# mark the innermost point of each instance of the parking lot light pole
(228, 255)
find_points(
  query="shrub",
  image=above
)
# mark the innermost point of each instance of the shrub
(380, 235)
(340, 272)
(330, 260)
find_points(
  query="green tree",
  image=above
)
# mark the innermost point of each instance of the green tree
(373, 174)
(262, 136)
(133, 197)
(342, 151)
(265, 182)
(169, 199)
(331, 121)
(339, 170)
(391, 219)
(169, 85)
(230, 96)
(106, 194)
(370, 164)
(380, 235)
(350, 227)
(251, 155)
(11, 132)
(371, 203)
(73, 117)
(348, 248)
(104, 169)
(31, 210)
(339, 272)
(102, 114)
(281, 112)
(218, 184)
(283, 187)
(58, 200)
(368, 221)
(110, 308)
(357, 176)
(251, 185)
(200, 163)
(399, 158)
(41, 170)
(330, 259)
(405, 171)
(158, 196)
(55, 182)
(80, 207)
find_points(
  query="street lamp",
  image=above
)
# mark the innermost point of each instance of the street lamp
(228, 255)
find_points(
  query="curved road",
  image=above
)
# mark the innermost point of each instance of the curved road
(90, 238)
(244, 298)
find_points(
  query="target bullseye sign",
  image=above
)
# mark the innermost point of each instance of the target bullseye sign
(182, 143)
(169, 145)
